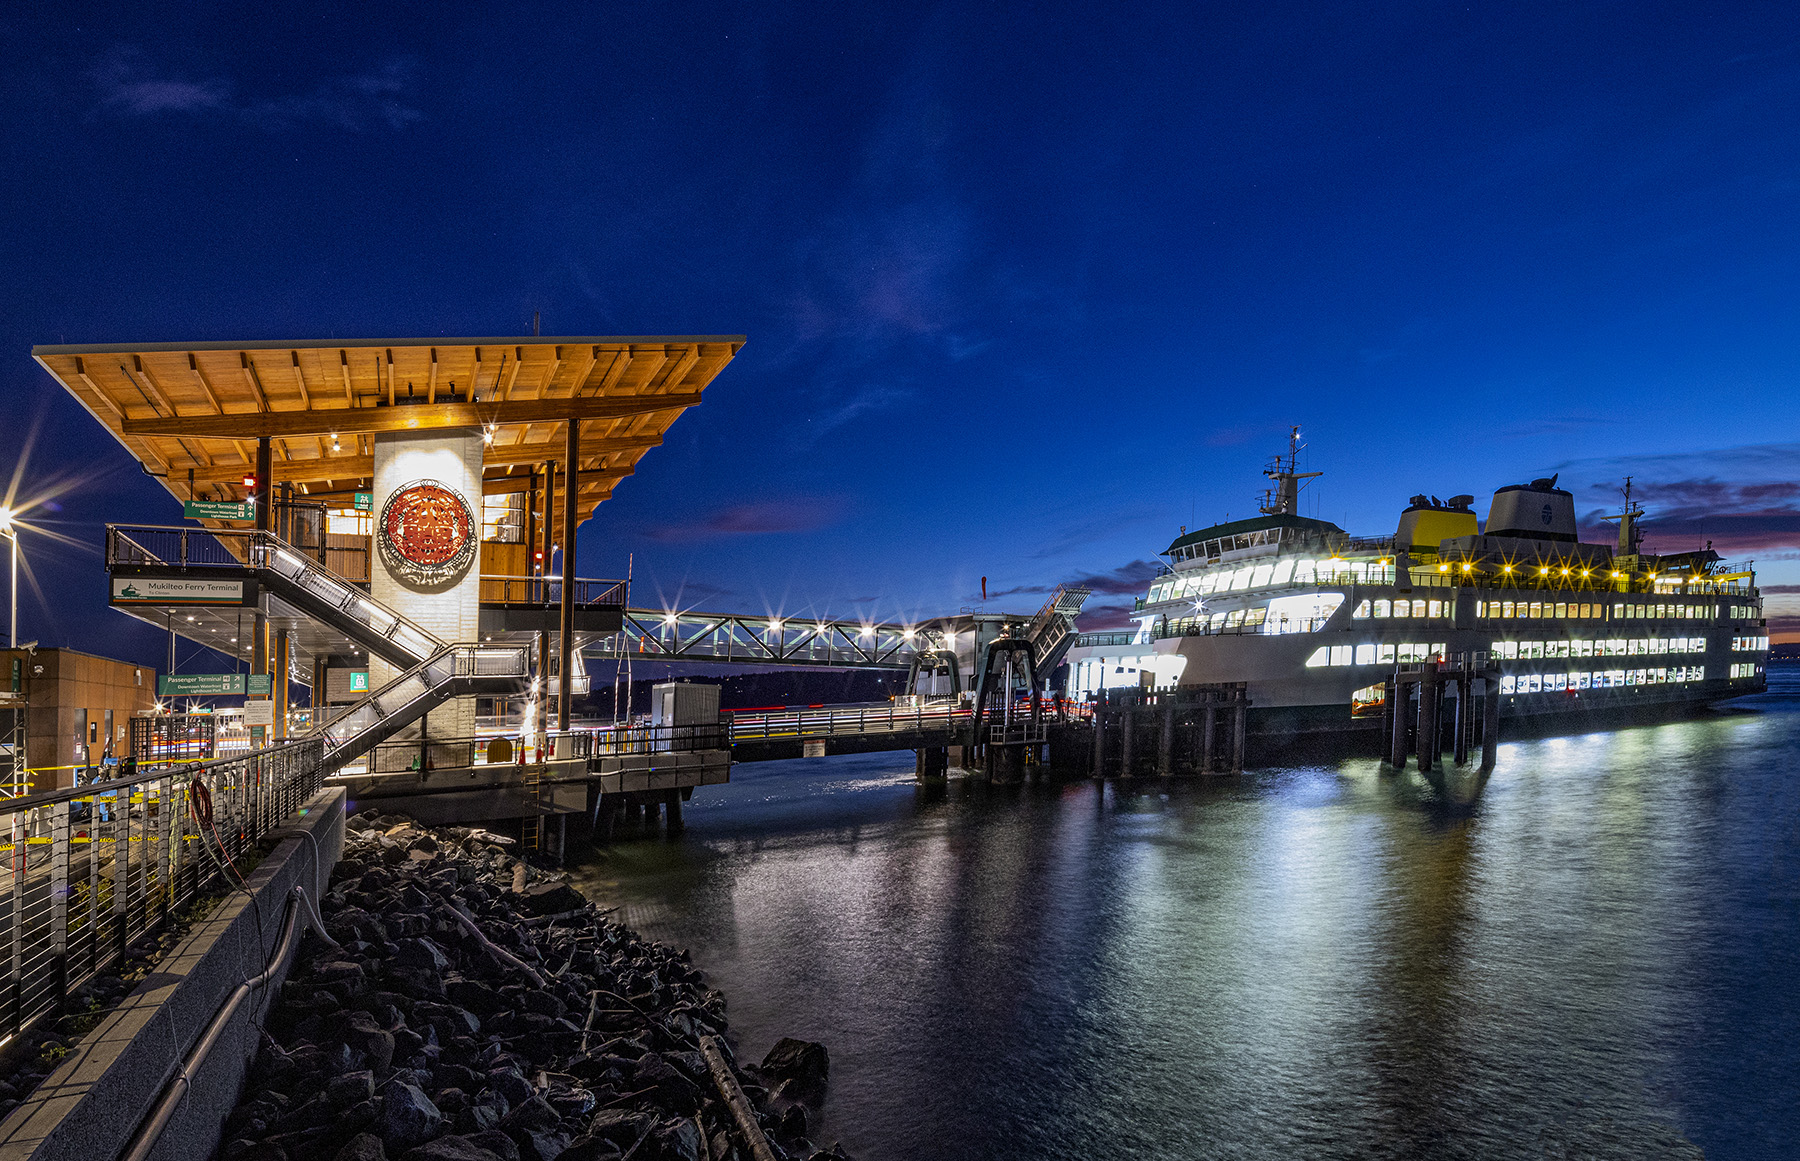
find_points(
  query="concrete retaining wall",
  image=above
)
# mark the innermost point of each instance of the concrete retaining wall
(89, 1108)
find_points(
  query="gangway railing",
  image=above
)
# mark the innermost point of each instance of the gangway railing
(286, 570)
(839, 721)
(1052, 631)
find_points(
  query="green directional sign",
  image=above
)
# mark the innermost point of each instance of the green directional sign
(218, 510)
(365, 501)
(359, 681)
(199, 684)
(261, 685)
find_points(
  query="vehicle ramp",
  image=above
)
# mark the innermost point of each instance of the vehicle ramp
(1052, 631)
(281, 569)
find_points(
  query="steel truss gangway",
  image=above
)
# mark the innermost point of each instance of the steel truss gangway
(771, 640)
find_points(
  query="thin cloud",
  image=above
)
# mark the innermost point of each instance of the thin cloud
(767, 517)
(129, 86)
(1127, 578)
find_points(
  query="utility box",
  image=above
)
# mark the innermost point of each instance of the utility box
(676, 703)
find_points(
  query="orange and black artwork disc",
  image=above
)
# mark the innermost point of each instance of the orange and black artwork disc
(427, 532)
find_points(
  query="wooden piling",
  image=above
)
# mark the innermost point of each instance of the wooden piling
(1209, 733)
(1165, 749)
(1429, 708)
(1397, 727)
(1100, 739)
(1240, 721)
(1490, 720)
(1128, 727)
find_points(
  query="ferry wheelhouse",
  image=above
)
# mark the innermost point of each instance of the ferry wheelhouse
(1314, 620)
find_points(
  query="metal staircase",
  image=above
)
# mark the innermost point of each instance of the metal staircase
(454, 671)
(281, 569)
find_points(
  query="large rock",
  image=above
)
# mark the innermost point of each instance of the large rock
(450, 1148)
(408, 1117)
(801, 1067)
(350, 1089)
(552, 899)
(362, 1147)
(673, 1091)
(680, 1140)
(363, 1034)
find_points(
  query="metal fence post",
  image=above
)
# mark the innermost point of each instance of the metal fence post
(59, 899)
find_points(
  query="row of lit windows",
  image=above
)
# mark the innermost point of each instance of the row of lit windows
(1377, 654)
(1289, 570)
(1372, 654)
(1600, 679)
(1744, 612)
(1384, 608)
(1615, 647)
(1744, 669)
(1749, 644)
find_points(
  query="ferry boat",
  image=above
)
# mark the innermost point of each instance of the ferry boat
(1313, 621)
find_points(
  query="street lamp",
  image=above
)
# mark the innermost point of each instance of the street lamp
(7, 530)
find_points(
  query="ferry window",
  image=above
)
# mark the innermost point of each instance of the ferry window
(1284, 572)
(1320, 656)
(1384, 654)
(1260, 578)
(1383, 608)
(1556, 649)
(1438, 649)
(1362, 610)
(1508, 684)
(1509, 650)
(1434, 609)
(1234, 618)
(1241, 578)
(1365, 654)
(1555, 681)
(1506, 609)
(1582, 681)
(1255, 616)
(1587, 611)
(1340, 654)
(1562, 610)
(1531, 649)
(1303, 572)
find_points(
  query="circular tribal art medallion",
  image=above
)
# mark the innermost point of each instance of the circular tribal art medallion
(427, 532)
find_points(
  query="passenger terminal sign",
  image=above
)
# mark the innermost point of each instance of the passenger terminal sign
(218, 510)
(174, 590)
(426, 532)
(212, 684)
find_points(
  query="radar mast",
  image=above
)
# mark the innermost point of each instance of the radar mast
(1284, 498)
(1630, 535)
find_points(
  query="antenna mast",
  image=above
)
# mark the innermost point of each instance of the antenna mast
(1630, 535)
(1284, 498)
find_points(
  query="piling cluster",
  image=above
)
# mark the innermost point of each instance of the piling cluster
(477, 1009)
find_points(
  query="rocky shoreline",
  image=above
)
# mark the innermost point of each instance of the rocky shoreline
(478, 1009)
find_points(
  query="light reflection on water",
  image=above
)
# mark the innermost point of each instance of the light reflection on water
(1317, 961)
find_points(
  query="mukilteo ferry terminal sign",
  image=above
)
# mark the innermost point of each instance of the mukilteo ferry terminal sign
(426, 532)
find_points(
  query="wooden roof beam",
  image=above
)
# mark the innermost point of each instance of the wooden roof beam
(255, 381)
(212, 396)
(348, 467)
(416, 417)
(300, 380)
(344, 367)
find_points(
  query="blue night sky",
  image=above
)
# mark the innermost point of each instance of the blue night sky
(1025, 290)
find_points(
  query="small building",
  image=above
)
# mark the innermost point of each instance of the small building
(76, 709)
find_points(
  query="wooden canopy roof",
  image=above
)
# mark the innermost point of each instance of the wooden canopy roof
(200, 407)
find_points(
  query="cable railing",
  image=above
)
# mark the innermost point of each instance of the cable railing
(91, 870)
(544, 591)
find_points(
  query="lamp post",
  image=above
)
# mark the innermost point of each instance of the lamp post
(11, 533)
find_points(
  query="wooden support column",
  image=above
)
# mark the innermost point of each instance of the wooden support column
(1100, 738)
(571, 500)
(1128, 723)
(280, 685)
(1209, 732)
(1240, 724)
(1465, 688)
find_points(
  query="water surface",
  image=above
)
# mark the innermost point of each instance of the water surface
(1597, 949)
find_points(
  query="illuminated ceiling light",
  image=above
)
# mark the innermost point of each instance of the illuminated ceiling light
(1443, 568)
(1467, 567)
(1617, 575)
(334, 442)
(1506, 568)
(1584, 572)
(1565, 572)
